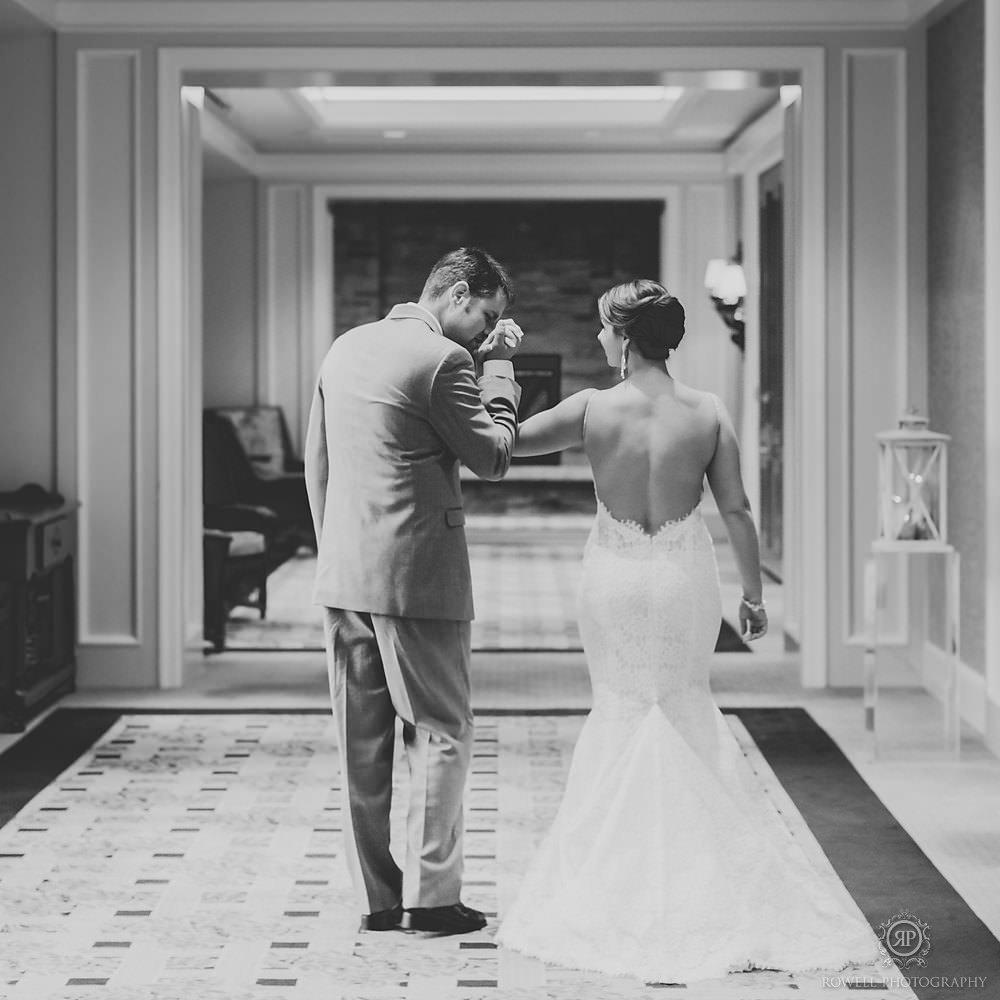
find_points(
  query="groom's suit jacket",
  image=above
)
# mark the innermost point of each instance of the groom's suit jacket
(396, 408)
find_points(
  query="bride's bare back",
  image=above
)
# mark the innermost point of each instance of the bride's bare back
(651, 441)
(649, 446)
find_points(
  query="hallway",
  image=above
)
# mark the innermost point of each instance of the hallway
(175, 183)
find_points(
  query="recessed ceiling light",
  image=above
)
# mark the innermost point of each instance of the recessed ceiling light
(321, 95)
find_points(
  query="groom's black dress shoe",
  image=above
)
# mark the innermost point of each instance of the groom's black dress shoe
(455, 919)
(382, 920)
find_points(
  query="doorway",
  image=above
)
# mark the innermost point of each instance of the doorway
(771, 375)
(638, 175)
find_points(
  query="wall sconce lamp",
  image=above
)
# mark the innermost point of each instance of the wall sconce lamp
(727, 286)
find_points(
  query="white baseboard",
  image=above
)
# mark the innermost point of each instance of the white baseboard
(102, 665)
(973, 704)
(993, 725)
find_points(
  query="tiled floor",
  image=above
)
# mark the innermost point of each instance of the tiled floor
(194, 856)
(525, 572)
(524, 589)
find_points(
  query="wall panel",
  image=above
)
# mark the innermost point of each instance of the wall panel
(875, 346)
(285, 374)
(108, 418)
(229, 292)
(27, 258)
(956, 294)
(707, 358)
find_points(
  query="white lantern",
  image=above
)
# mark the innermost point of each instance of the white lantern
(913, 482)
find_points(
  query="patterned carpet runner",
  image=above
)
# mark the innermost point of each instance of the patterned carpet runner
(200, 856)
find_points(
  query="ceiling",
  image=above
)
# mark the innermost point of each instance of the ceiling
(559, 16)
(537, 112)
(255, 117)
(16, 21)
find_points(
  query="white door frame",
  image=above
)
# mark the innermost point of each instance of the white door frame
(992, 324)
(179, 66)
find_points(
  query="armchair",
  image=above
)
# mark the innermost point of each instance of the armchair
(263, 433)
(238, 543)
(231, 473)
(236, 568)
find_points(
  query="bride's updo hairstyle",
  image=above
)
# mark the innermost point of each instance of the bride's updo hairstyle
(646, 313)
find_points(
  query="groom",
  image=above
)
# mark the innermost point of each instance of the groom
(396, 408)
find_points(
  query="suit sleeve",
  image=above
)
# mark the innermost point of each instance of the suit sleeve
(476, 419)
(316, 460)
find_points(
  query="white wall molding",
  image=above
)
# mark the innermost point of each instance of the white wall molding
(220, 136)
(186, 61)
(991, 173)
(408, 168)
(873, 345)
(522, 167)
(609, 190)
(757, 150)
(759, 143)
(453, 16)
(810, 385)
(285, 353)
(972, 701)
(109, 423)
(192, 101)
(172, 357)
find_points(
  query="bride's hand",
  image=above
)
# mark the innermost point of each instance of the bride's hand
(753, 623)
(502, 342)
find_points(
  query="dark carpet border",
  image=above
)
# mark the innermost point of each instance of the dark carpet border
(877, 860)
(870, 851)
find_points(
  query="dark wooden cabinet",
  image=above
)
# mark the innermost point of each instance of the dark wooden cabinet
(37, 610)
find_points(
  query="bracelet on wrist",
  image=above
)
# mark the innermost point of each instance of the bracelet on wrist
(756, 607)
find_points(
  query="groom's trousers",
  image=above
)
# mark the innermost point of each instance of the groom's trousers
(382, 667)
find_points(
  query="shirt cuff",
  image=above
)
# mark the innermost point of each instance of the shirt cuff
(499, 366)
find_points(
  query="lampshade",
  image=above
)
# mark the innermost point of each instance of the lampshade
(713, 273)
(727, 286)
(732, 284)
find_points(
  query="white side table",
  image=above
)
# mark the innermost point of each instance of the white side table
(873, 577)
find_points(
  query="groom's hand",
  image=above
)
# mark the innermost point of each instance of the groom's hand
(502, 342)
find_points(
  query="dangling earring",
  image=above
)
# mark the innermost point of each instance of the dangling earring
(624, 367)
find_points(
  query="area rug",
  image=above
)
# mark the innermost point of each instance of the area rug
(525, 598)
(163, 855)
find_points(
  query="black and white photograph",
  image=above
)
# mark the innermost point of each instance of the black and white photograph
(499, 499)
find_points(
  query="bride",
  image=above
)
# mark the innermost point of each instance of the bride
(665, 862)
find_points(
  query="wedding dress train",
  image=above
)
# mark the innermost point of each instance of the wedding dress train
(666, 862)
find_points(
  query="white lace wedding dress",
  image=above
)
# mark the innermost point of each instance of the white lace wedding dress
(665, 861)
